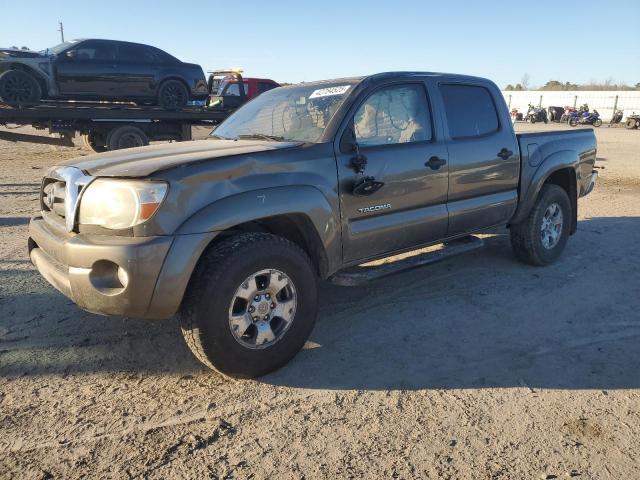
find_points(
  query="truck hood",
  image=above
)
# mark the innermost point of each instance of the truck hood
(143, 161)
(17, 53)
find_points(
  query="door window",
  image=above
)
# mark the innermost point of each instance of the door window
(94, 51)
(136, 54)
(470, 110)
(393, 115)
(233, 90)
(264, 87)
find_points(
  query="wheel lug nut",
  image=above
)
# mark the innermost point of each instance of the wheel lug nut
(251, 309)
(266, 317)
(267, 296)
(255, 319)
(273, 305)
(257, 297)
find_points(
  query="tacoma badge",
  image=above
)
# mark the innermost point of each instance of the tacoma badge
(375, 208)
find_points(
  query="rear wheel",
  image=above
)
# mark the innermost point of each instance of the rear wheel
(542, 236)
(19, 89)
(95, 141)
(251, 305)
(126, 137)
(173, 95)
(631, 124)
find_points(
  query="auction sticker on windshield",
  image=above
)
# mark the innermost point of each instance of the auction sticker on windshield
(329, 91)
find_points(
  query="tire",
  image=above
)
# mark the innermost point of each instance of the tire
(527, 237)
(597, 123)
(532, 119)
(173, 95)
(94, 141)
(212, 294)
(631, 124)
(573, 122)
(19, 89)
(126, 137)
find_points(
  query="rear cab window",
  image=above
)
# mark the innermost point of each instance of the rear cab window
(470, 110)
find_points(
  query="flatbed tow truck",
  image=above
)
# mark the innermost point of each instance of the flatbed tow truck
(114, 125)
(105, 125)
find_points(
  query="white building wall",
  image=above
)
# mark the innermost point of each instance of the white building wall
(603, 101)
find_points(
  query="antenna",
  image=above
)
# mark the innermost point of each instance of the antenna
(61, 30)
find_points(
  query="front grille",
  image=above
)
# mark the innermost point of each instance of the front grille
(60, 192)
(53, 196)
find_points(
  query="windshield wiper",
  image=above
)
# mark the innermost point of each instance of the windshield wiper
(262, 136)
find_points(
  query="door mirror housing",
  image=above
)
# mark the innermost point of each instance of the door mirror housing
(70, 54)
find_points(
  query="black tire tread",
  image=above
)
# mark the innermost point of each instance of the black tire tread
(525, 235)
(211, 267)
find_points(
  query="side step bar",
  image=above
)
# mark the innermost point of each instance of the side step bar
(361, 274)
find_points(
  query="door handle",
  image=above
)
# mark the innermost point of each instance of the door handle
(434, 163)
(505, 153)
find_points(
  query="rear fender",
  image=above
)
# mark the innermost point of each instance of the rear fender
(533, 180)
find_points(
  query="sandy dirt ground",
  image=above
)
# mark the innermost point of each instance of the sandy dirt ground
(476, 367)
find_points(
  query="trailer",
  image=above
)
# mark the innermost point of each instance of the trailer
(105, 126)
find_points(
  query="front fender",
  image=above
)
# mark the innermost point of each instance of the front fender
(534, 178)
(259, 204)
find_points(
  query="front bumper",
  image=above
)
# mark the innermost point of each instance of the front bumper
(107, 275)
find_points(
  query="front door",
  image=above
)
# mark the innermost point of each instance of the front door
(87, 69)
(405, 150)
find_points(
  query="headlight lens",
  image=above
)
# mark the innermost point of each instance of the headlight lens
(117, 204)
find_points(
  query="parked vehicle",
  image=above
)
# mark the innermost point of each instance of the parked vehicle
(555, 113)
(617, 117)
(536, 114)
(633, 121)
(99, 70)
(585, 118)
(568, 111)
(226, 94)
(304, 182)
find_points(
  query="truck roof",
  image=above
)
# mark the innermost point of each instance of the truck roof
(386, 75)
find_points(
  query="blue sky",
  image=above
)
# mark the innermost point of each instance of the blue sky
(303, 40)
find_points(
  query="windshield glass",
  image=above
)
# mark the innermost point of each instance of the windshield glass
(298, 114)
(60, 47)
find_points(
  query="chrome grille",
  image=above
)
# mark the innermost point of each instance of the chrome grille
(61, 191)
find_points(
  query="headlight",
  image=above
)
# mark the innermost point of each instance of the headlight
(120, 204)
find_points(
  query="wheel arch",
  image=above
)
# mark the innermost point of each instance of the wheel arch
(559, 169)
(39, 77)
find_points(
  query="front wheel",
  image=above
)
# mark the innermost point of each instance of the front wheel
(251, 305)
(542, 236)
(19, 89)
(573, 122)
(597, 122)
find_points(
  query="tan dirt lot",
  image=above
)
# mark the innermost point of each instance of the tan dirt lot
(476, 367)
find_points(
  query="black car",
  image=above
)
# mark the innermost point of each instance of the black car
(99, 70)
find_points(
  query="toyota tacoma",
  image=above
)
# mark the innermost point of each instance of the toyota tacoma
(304, 183)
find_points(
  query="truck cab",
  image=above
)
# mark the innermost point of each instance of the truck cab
(225, 92)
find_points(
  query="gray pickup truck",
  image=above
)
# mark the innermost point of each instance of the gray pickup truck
(305, 182)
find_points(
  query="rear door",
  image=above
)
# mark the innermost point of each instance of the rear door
(404, 148)
(484, 162)
(137, 68)
(87, 69)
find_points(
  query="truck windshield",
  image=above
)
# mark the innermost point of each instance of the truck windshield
(300, 113)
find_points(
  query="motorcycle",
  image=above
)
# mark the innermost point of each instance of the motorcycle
(617, 117)
(585, 118)
(537, 114)
(568, 111)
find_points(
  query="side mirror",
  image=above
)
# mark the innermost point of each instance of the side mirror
(71, 54)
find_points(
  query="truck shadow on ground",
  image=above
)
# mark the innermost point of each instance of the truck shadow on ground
(473, 321)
